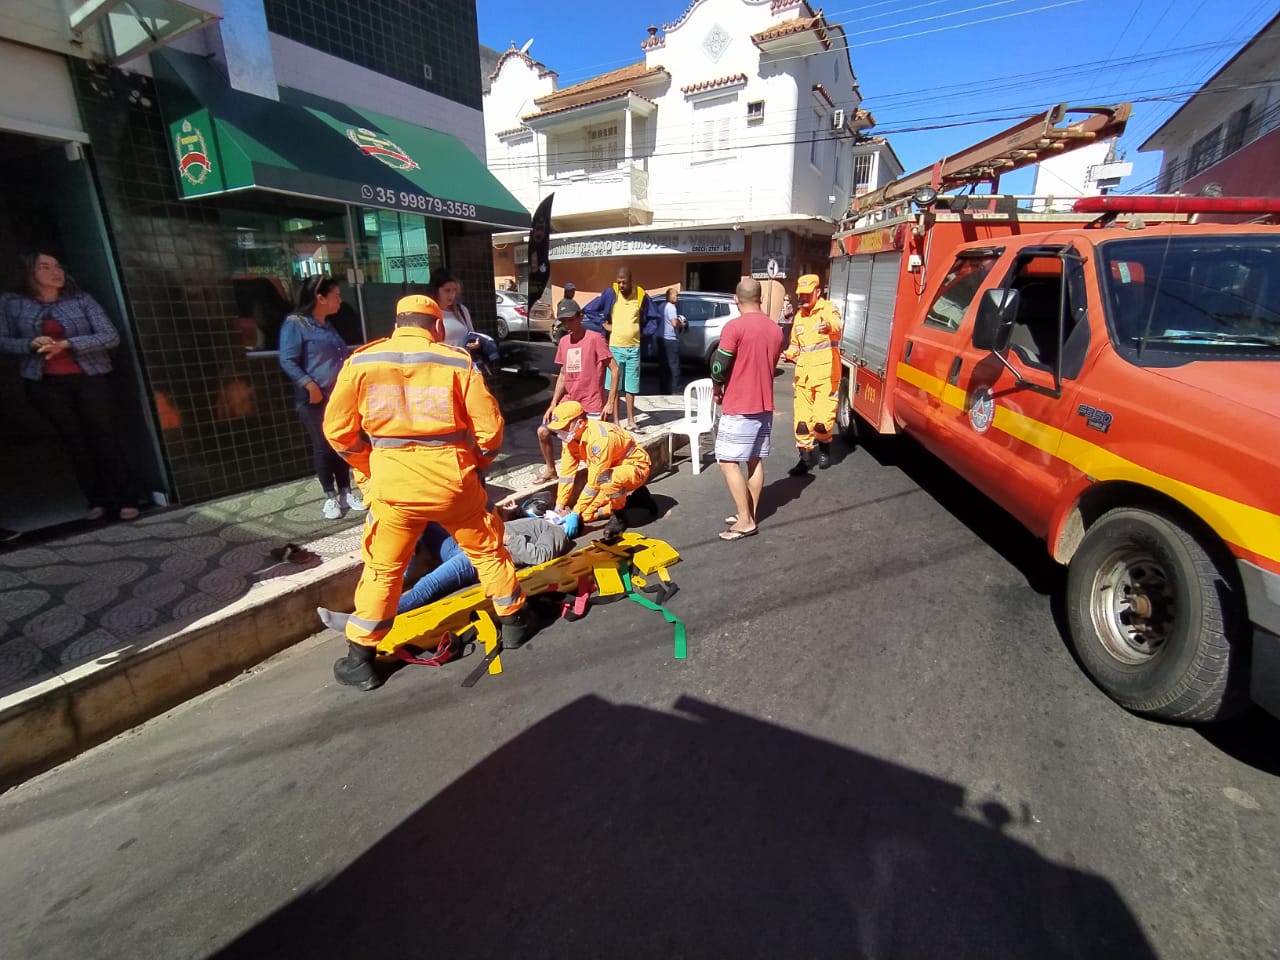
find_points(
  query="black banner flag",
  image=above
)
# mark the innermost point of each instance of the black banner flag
(539, 250)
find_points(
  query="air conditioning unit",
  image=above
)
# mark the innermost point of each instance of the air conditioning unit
(837, 119)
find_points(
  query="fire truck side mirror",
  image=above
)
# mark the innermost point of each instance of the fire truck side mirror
(993, 327)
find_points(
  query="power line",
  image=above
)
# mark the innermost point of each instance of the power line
(783, 122)
(929, 123)
(589, 73)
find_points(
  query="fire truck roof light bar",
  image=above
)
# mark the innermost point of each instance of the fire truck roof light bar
(1113, 203)
(1022, 145)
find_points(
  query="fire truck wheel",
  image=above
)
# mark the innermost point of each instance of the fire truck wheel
(1156, 620)
(846, 419)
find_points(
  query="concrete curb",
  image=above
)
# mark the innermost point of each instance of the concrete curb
(54, 721)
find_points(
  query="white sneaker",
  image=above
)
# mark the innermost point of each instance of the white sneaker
(352, 499)
(332, 511)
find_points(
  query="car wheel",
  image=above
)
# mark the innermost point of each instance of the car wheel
(503, 329)
(1157, 622)
(711, 352)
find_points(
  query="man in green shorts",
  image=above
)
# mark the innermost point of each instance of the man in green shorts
(624, 311)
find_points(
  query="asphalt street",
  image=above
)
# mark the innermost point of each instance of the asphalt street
(879, 746)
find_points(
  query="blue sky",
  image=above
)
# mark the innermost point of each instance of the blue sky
(970, 59)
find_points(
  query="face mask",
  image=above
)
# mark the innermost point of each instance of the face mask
(564, 436)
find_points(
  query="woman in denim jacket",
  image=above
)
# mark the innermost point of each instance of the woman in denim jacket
(65, 339)
(311, 353)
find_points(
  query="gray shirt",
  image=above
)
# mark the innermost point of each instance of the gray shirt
(533, 540)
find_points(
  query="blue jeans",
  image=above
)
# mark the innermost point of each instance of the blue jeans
(454, 572)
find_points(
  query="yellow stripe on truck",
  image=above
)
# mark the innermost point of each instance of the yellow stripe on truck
(1248, 527)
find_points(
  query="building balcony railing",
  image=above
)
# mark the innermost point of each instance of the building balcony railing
(619, 194)
(1207, 152)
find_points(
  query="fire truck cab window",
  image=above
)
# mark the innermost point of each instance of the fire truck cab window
(957, 292)
(1038, 280)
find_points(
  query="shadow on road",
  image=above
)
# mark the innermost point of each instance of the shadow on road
(1250, 738)
(998, 529)
(621, 831)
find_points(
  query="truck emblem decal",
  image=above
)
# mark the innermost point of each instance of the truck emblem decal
(982, 409)
(1097, 419)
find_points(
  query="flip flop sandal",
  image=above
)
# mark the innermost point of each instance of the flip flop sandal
(731, 535)
(546, 476)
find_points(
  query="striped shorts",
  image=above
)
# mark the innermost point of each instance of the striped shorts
(743, 437)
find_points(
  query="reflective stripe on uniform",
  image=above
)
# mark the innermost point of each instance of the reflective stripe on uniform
(817, 346)
(425, 440)
(566, 479)
(509, 599)
(371, 625)
(605, 476)
(411, 358)
(589, 491)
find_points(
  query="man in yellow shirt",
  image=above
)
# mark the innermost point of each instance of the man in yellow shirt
(624, 312)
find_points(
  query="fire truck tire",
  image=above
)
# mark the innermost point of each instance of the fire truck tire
(846, 419)
(1156, 620)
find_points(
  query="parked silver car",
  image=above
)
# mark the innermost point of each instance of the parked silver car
(513, 317)
(706, 314)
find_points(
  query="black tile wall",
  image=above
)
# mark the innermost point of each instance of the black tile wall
(397, 38)
(227, 420)
(470, 257)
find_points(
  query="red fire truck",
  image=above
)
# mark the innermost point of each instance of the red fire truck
(1110, 376)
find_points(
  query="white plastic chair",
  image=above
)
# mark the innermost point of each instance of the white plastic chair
(699, 418)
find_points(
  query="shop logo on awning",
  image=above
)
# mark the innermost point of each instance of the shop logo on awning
(381, 148)
(193, 156)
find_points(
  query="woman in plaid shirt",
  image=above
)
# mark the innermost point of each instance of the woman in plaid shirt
(65, 339)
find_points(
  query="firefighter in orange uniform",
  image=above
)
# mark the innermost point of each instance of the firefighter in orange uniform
(616, 466)
(815, 350)
(415, 416)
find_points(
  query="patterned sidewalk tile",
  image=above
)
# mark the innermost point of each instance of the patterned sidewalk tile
(76, 600)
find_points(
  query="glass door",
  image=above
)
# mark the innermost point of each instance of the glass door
(394, 254)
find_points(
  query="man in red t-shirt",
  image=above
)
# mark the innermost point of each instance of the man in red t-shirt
(742, 369)
(583, 357)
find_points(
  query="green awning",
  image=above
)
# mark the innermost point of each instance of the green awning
(224, 140)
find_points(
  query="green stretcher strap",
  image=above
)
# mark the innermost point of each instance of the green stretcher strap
(682, 639)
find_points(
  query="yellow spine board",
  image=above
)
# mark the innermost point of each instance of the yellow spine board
(595, 561)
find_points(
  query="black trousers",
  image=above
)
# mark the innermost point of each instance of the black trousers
(331, 470)
(82, 410)
(668, 366)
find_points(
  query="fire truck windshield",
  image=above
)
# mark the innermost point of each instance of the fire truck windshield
(1204, 294)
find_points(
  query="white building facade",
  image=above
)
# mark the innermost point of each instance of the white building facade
(735, 142)
(1087, 172)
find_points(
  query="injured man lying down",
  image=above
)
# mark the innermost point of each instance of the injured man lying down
(533, 537)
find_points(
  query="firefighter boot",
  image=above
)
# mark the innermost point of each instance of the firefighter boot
(516, 629)
(357, 669)
(616, 526)
(824, 455)
(803, 465)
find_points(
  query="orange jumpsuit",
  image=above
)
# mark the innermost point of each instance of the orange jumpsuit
(416, 417)
(817, 386)
(616, 465)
